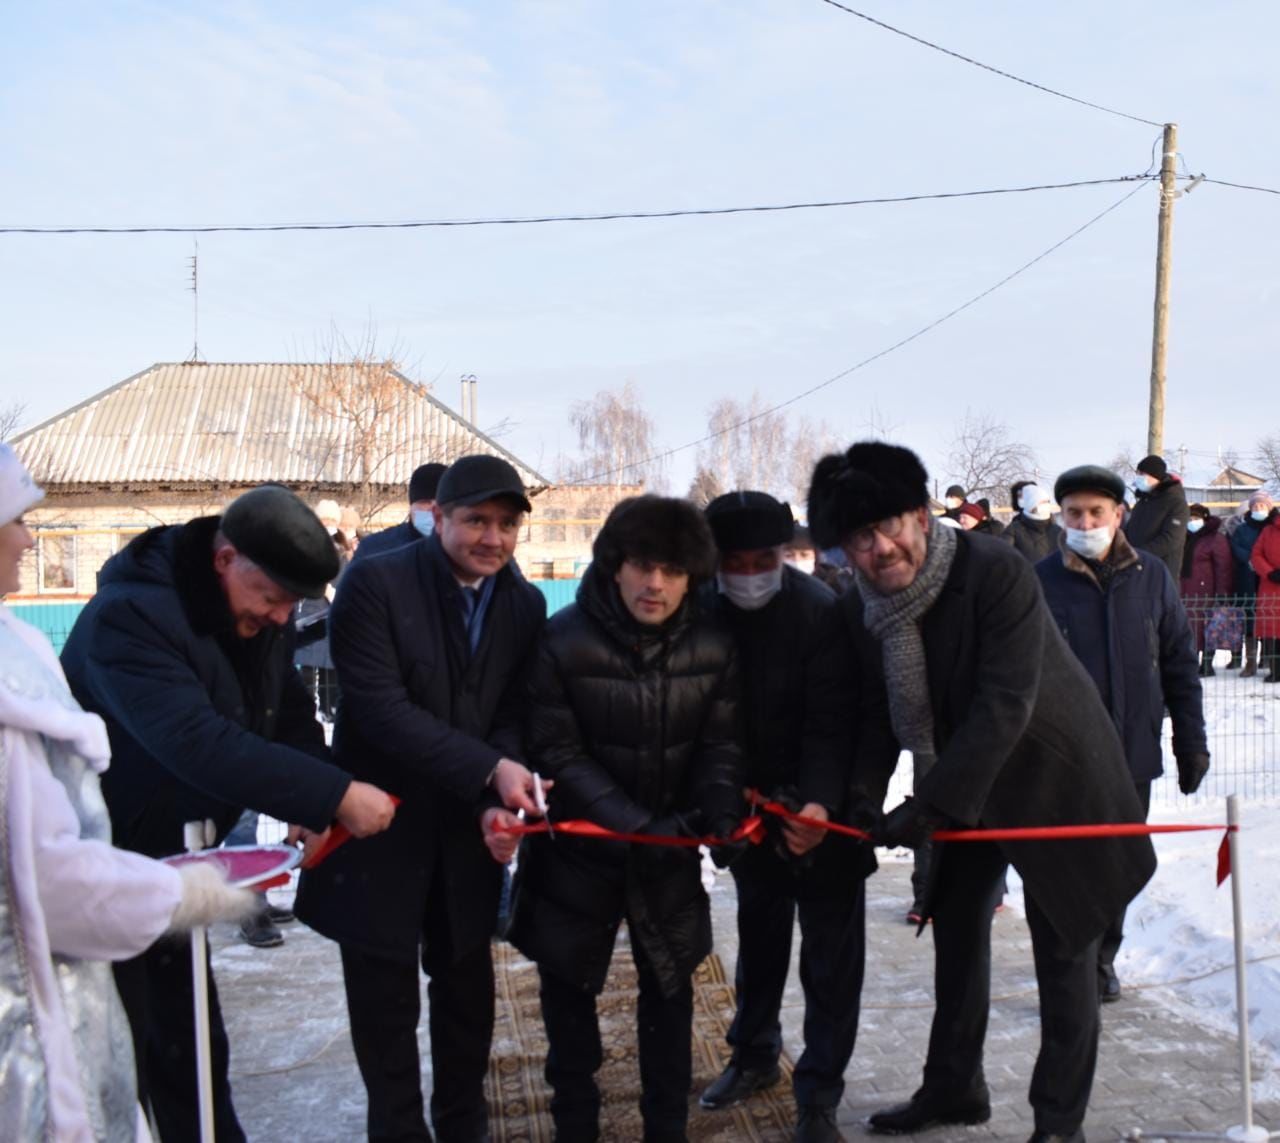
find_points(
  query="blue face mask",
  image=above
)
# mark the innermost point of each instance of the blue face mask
(423, 520)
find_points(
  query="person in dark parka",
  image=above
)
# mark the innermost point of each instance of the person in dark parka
(634, 717)
(1158, 522)
(432, 643)
(421, 520)
(1242, 539)
(186, 652)
(1119, 610)
(1032, 531)
(797, 686)
(953, 630)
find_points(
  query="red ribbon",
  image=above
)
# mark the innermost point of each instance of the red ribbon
(338, 835)
(750, 829)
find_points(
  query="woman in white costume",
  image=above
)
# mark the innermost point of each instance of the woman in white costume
(69, 901)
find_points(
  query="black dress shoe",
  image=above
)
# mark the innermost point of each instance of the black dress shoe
(735, 1084)
(932, 1109)
(1108, 985)
(1076, 1136)
(260, 932)
(816, 1125)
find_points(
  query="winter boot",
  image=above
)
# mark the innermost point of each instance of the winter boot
(1206, 664)
(1250, 659)
(1268, 662)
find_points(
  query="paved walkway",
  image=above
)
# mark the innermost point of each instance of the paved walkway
(294, 1075)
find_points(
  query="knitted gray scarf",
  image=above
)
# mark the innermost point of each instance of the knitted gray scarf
(895, 621)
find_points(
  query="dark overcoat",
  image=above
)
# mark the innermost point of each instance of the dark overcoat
(388, 540)
(1135, 641)
(1033, 539)
(633, 723)
(1158, 523)
(1242, 538)
(1023, 738)
(202, 723)
(426, 720)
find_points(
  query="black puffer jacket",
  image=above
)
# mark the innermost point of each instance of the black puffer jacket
(1032, 539)
(1158, 523)
(633, 724)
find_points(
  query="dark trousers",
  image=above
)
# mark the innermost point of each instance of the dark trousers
(384, 1005)
(965, 896)
(832, 957)
(157, 990)
(1111, 939)
(664, 1033)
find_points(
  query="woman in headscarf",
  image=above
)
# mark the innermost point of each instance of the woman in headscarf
(69, 901)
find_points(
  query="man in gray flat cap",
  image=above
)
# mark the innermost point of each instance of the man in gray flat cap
(186, 652)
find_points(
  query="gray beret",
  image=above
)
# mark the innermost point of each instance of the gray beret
(280, 534)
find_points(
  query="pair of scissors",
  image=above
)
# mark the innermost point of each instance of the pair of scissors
(540, 800)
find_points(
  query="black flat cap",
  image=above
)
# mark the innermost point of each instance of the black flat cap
(424, 481)
(279, 533)
(475, 479)
(870, 482)
(746, 521)
(1089, 478)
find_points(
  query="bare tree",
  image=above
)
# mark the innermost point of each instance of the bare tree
(617, 441)
(985, 459)
(1125, 459)
(748, 446)
(704, 488)
(1269, 459)
(809, 444)
(11, 416)
(361, 428)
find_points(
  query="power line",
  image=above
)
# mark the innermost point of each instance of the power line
(1242, 186)
(254, 228)
(595, 478)
(988, 67)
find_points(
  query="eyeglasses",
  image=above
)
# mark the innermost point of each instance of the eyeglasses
(863, 540)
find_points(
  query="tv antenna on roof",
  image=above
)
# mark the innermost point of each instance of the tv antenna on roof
(194, 261)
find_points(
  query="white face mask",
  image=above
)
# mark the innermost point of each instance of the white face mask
(1193, 526)
(802, 563)
(954, 501)
(1089, 542)
(423, 520)
(751, 592)
(1143, 483)
(1040, 511)
(1259, 516)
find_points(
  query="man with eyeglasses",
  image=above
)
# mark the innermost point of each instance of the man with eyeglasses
(634, 715)
(951, 630)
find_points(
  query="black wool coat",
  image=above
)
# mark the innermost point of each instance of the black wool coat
(202, 723)
(388, 540)
(1134, 640)
(1158, 523)
(633, 723)
(1023, 738)
(1032, 539)
(797, 687)
(426, 720)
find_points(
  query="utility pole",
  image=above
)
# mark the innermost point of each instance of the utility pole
(1164, 245)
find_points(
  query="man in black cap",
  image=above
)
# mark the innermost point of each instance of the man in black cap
(797, 685)
(1158, 522)
(1109, 601)
(186, 652)
(951, 633)
(421, 521)
(432, 642)
(954, 499)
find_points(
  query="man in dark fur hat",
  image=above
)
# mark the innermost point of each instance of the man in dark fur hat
(950, 630)
(634, 715)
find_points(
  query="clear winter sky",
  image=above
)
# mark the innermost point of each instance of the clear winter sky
(170, 113)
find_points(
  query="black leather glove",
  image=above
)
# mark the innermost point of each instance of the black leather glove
(1274, 575)
(866, 815)
(909, 825)
(1191, 771)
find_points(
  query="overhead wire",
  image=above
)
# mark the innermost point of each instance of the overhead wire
(526, 220)
(1242, 186)
(596, 477)
(987, 67)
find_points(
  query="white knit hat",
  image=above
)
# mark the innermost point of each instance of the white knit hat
(17, 490)
(1031, 495)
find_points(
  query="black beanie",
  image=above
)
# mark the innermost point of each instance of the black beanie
(1153, 466)
(746, 521)
(870, 482)
(279, 533)
(423, 482)
(956, 491)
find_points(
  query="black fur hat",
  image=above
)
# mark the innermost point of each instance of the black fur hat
(658, 528)
(871, 481)
(745, 521)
